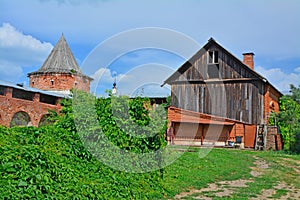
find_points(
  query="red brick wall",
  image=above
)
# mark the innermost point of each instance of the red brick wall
(35, 109)
(57, 81)
(274, 140)
(271, 101)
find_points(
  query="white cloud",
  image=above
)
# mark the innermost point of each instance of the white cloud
(147, 77)
(104, 75)
(103, 80)
(18, 50)
(256, 21)
(144, 79)
(10, 72)
(297, 70)
(280, 79)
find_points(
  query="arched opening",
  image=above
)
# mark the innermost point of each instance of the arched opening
(45, 120)
(20, 119)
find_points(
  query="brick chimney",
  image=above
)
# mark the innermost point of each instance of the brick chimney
(248, 59)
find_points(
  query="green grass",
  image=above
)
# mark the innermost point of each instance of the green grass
(191, 172)
(50, 163)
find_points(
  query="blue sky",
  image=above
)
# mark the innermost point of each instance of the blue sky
(29, 30)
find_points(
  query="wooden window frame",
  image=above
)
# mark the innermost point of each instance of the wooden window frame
(213, 57)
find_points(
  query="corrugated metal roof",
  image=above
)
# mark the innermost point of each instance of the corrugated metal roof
(29, 89)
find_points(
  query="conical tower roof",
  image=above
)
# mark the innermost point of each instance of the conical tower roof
(60, 60)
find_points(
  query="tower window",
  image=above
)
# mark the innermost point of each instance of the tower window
(213, 57)
(52, 82)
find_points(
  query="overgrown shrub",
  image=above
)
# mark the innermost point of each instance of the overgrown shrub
(51, 162)
(289, 120)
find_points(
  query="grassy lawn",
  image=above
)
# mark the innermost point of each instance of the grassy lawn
(190, 173)
(50, 163)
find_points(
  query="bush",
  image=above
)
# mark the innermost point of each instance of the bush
(289, 120)
(50, 162)
(53, 161)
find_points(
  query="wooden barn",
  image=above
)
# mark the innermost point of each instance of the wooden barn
(218, 99)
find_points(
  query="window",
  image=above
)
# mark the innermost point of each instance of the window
(21, 94)
(213, 57)
(2, 90)
(52, 82)
(213, 66)
(48, 99)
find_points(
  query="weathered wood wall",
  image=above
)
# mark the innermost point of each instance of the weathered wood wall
(236, 94)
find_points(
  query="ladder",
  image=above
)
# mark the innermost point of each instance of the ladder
(261, 137)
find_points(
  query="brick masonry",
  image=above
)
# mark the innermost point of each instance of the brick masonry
(59, 73)
(35, 109)
(274, 140)
(59, 82)
(271, 101)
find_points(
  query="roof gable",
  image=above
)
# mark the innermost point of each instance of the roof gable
(211, 42)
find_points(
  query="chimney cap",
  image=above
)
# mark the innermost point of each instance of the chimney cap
(249, 53)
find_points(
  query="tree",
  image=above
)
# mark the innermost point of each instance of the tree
(295, 93)
(289, 119)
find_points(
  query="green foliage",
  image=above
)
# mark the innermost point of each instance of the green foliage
(51, 162)
(122, 132)
(130, 124)
(65, 119)
(138, 111)
(289, 120)
(168, 101)
(295, 93)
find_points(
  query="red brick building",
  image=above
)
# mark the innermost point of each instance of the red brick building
(25, 106)
(60, 72)
(217, 98)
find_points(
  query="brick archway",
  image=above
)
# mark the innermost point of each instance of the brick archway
(35, 103)
(20, 118)
(44, 120)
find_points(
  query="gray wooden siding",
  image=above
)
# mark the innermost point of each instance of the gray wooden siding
(238, 94)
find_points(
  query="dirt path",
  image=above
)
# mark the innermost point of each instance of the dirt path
(226, 188)
(292, 192)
